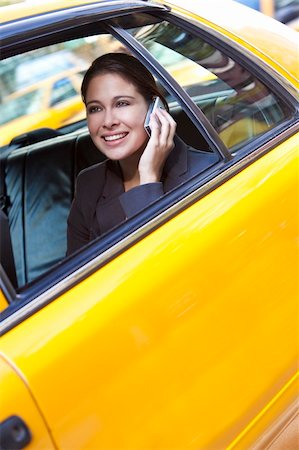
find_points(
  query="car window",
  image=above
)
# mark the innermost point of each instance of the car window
(238, 105)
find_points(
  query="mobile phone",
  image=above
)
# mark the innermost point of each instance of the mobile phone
(156, 103)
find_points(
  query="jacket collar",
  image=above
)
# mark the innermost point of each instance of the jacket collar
(176, 165)
(113, 186)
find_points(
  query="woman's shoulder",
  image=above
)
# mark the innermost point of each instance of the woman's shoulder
(92, 171)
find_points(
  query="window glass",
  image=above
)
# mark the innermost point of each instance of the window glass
(20, 104)
(31, 83)
(237, 104)
(62, 90)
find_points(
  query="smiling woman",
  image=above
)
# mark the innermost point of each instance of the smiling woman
(117, 91)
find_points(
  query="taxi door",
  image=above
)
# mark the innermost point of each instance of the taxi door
(21, 423)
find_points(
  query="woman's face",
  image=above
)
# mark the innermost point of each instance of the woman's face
(115, 116)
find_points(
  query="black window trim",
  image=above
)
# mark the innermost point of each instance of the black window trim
(25, 34)
(44, 289)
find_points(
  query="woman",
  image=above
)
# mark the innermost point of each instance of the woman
(117, 91)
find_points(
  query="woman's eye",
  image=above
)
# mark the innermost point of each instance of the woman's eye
(122, 103)
(93, 109)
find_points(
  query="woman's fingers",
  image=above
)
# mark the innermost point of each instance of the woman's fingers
(165, 128)
(158, 147)
(155, 126)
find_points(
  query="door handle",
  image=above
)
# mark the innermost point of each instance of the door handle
(14, 434)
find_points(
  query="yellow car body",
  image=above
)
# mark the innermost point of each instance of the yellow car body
(184, 334)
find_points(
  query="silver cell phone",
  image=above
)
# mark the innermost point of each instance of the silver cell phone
(156, 103)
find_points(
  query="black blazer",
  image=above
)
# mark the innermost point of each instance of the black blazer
(100, 202)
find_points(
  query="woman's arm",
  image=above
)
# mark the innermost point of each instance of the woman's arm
(139, 197)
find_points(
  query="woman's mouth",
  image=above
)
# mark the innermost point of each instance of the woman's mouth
(114, 137)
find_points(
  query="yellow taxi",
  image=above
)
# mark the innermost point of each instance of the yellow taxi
(177, 329)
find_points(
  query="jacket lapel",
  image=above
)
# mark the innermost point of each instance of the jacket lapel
(109, 212)
(176, 166)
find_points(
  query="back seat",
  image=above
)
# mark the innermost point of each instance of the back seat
(39, 181)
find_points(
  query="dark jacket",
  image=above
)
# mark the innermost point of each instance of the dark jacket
(100, 202)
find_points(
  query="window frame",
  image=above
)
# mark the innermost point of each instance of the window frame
(35, 31)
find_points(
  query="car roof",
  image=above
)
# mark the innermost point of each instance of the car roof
(259, 33)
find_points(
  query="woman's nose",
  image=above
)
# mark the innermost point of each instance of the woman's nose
(109, 118)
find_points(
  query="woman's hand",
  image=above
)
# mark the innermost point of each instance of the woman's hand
(158, 147)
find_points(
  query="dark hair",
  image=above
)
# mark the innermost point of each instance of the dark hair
(128, 67)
